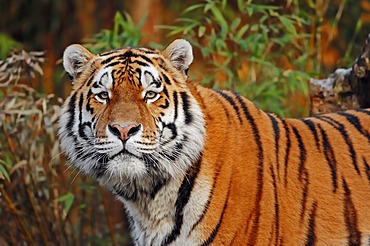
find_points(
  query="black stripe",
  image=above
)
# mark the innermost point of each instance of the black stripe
(113, 63)
(364, 111)
(173, 129)
(287, 153)
(109, 59)
(100, 82)
(80, 104)
(88, 105)
(166, 79)
(350, 217)
(71, 111)
(95, 84)
(276, 205)
(173, 153)
(109, 52)
(165, 92)
(214, 232)
(124, 194)
(141, 63)
(215, 178)
(367, 168)
(311, 126)
(341, 129)
(91, 78)
(303, 174)
(186, 107)
(311, 235)
(354, 120)
(330, 158)
(305, 182)
(302, 152)
(276, 129)
(147, 59)
(81, 125)
(157, 187)
(102, 164)
(232, 103)
(220, 101)
(165, 105)
(260, 159)
(147, 50)
(181, 201)
(175, 102)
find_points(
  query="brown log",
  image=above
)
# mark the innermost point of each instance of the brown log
(345, 88)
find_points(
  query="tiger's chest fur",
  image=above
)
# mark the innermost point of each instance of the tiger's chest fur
(195, 166)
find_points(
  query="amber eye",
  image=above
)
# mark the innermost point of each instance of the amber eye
(150, 95)
(103, 95)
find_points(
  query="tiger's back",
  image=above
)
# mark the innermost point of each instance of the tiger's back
(309, 178)
(195, 166)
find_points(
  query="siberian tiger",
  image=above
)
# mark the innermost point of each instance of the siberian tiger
(195, 166)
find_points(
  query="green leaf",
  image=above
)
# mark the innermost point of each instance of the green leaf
(4, 173)
(242, 31)
(193, 7)
(235, 24)
(220, 20)
(288, 24)
(68, 201)
(201, 31)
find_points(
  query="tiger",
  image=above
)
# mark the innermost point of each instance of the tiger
(197, 166)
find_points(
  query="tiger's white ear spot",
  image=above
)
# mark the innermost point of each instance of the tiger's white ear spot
(75, 57)
(180, 53)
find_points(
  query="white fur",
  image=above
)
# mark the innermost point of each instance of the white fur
(153, 218)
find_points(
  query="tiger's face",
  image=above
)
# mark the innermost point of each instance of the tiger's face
(131, 117)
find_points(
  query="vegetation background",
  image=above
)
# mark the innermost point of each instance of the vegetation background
(266, 50)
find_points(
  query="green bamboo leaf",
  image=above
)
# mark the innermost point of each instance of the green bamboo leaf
(288, 24)
(68, 200)
(235, 24)
(201, 31)
(193, 7)
(242, 31)
(4, 172)
(221, 20)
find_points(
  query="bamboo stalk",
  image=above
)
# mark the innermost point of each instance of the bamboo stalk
(36, 212)
(16, 213)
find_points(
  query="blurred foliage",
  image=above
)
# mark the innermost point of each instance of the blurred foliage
(266, 50)
(124, 33)
(7, 44)
(258, 50)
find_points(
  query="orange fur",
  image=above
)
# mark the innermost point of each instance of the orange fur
(248, 177)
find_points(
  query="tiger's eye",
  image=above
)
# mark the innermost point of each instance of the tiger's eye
(150, 95)
(103, 95)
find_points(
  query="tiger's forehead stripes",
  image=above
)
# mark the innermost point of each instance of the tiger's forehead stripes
(140, 56)
(102, 80)
(134, 66)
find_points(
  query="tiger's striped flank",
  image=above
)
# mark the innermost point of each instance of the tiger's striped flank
(195, 166)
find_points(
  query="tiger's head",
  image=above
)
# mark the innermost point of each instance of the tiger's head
(131, 119)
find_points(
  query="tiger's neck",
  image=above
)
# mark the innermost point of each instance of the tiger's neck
(171, 215)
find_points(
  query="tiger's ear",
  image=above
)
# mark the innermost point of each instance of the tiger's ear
(75, 57)
(180, 53)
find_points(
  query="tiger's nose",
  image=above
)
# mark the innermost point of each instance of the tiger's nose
(123, 131)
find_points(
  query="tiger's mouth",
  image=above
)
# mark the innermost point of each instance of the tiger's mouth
(123, 152)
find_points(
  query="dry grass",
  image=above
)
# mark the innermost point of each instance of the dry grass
(41, 202)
